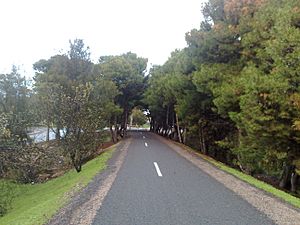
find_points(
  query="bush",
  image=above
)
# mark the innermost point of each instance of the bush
(6, 196)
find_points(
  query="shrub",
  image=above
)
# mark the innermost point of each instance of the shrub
(6, 196)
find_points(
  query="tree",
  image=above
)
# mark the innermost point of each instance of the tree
(51, 81)
(104, 94)
(14, 96)
(73, 100)
(138, 118)
(236, 94)
(127, 72)
(270, 81)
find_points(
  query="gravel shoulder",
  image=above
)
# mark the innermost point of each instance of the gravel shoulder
(280, 212)
(83, 205)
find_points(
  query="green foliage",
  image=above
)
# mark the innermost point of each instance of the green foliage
(250, 74)
(235, 87)
(82, 98)
(126, 71)
(138, 117)
(269, 81)
(73, 95)
(7, 195)
(16, 116)
(4, 131)
(14, 100)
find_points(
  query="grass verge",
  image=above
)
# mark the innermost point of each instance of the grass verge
(247, 178)
(35, 204)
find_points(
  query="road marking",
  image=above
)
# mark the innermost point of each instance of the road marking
(146, 144)
(144, 137)
(157, 169)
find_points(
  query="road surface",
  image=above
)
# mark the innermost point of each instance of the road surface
(157, 186)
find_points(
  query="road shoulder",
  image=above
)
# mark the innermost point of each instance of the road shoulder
(83, 207)
(277, 210)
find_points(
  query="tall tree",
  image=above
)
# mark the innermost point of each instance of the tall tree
(127, 72)
(14, 98)
(240, 91)
(73, 100)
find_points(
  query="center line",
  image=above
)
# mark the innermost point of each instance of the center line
(146, 144)
(157, 169)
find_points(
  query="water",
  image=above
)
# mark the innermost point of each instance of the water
(39, 134)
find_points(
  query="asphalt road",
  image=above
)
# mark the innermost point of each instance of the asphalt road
(157, 186)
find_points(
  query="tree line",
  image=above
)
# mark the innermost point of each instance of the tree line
(81, 102)
(82, 97)
(233, 92)
(73, 98)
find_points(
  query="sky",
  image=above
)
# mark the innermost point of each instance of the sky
(38, 29)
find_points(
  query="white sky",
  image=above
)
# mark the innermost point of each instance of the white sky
(37, 29)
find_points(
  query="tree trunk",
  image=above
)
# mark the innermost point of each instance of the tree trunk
(76, 159)
(203, 144)
(57, 133)
(77, 167)
(131, 120)
(286, 175)
(124, 125)
(202, 141)
(178, 129)
(112, 133)
(156, 128)
(167, 117)
(294, 182)
(184, 135)
(48, 133)
(151, 124)
(116, 129)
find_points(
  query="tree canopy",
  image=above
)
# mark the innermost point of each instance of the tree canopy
(234, 90)
(82, 98)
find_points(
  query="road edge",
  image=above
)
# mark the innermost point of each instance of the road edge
(82, 209)
(274, 208)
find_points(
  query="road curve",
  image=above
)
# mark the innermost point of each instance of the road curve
(157, 186)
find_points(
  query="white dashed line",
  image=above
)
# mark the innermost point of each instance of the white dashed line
(144, 137)
(146, 144)
(157, 169)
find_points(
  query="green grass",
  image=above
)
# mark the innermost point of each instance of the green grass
(249, 179)
(35, 204)
(146, 126)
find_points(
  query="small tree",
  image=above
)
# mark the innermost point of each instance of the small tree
(138, 117)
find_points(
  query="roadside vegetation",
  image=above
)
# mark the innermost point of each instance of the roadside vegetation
(233, 92)
(35, 204)
(85, 104)
(138, 118)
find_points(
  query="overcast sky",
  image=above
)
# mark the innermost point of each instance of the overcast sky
(37, 29)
